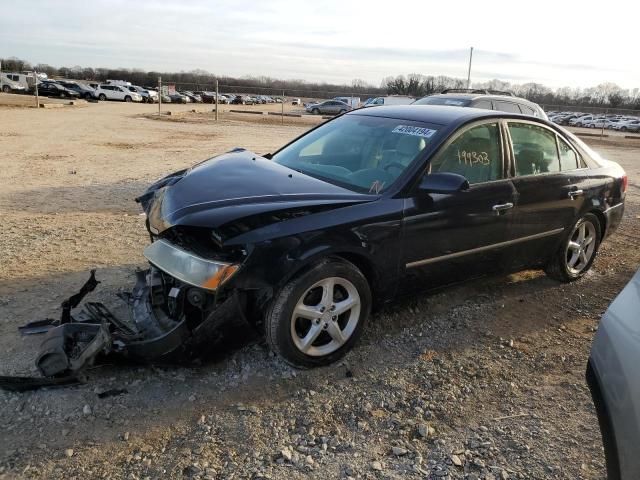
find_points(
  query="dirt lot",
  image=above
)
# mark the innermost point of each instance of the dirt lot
(480, 381)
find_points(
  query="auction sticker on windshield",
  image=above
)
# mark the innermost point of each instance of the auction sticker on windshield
(415, 131)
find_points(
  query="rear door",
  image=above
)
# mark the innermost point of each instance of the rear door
(452, 237)
(548, 197)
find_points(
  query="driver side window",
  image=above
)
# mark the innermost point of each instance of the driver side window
(475, 154)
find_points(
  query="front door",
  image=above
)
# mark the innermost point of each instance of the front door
(452, 237)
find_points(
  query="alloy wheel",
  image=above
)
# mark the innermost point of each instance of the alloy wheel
(581, 247)
(325, 316)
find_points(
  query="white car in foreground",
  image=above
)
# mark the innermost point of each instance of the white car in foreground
(117, 92)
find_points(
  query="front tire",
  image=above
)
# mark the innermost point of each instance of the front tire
(315, 111)
(127, 99)
(319, 315)
(577, 251)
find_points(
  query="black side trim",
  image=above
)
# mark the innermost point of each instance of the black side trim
(606, 427)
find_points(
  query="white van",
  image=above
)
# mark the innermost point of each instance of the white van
(8, 85)
(390, 100)
(23, 79)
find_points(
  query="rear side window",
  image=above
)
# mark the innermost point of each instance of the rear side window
(475, 154)
(507, 107)
(568, 158)
(527, 110)
(486, 104)
(534, 148)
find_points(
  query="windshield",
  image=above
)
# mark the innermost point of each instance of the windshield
(456, 102)
(362, 153)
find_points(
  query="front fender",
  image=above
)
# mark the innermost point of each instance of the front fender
(371, 244)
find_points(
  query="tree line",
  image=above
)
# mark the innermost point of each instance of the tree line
(604, 95)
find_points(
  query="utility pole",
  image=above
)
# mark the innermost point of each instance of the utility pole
(159, 95)
(35, 83)
(469, 72)
(217, 94)
(282, 108)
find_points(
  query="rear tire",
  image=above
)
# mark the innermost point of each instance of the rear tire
(6, 88)
(577, 251)
(318, 316)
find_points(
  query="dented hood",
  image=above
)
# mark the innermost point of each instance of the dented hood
(235, 185)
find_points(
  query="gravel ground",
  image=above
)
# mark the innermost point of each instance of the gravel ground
(480, 381)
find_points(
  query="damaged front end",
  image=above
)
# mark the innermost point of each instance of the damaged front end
(224, 234)
(169, 320)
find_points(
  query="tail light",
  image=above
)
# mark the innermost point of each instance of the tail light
(625, 183)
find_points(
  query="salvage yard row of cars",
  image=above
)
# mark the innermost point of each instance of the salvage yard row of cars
(623, 123)
(122, 91)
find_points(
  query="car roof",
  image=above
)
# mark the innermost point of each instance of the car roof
(473, 96)
(437, 114)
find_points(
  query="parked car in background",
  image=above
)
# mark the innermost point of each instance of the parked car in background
(84, 90)
(328, 107)
(148, 96)
(614, 381)
(9, 86)
(580, 121)
(329, 229)
(50, 88)
(117, 92)
(296, 101)
(195, 98)
(206, 96)
(597, 123)
(242, 100)
(389, 100)
(628, 126)
(353, 102)
(485, 99)
(178, 97)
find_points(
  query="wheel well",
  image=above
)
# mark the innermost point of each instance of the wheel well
(259, 299)
(363, 264)
(602, 220)
(606, 425)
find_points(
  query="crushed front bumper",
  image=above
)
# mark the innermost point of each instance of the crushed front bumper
(151, 333)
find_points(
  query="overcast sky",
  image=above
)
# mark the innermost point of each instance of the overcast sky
(558, 43)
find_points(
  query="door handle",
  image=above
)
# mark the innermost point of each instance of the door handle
(502, 207)
(575, 193)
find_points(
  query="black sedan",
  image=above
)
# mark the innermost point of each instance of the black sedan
(84, 91)
(380, 202)
(54, 89)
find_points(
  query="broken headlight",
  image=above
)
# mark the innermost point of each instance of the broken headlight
(188, 267)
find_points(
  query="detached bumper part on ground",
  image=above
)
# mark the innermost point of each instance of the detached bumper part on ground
(149, 334)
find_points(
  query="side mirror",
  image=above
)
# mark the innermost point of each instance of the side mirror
(443, 182)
